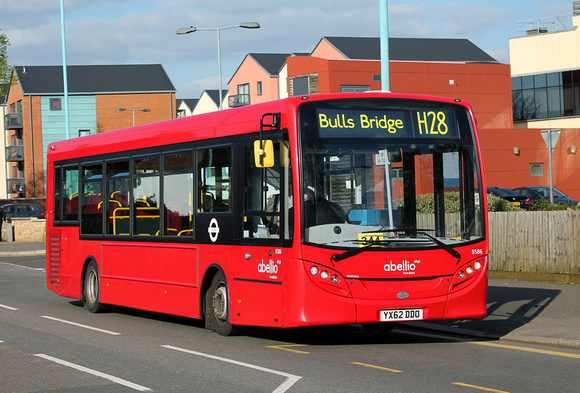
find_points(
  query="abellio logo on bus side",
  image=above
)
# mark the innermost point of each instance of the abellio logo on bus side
(405, 267)
(270, 267)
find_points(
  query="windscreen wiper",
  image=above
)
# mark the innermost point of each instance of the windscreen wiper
(422, 232)
(354, 251)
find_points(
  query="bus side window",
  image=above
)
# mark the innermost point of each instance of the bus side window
(117, 190)
(146, 214)
(92, 198)
(70, 194)
(215, 180)
(178, 194)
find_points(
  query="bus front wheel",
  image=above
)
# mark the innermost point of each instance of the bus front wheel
(217, 307)
(92, 288)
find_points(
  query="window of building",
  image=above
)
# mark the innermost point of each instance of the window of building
(549, 95)
(536, 169)
(300, 86)
(55, 104)
(259, 88)
(243, 97)
(354, 89)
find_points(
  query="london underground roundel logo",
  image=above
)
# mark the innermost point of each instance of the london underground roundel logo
(213, 230)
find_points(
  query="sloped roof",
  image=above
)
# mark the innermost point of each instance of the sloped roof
(215, 95)
(94, 79)
(411, 49)
(190, 102)
(270, 62)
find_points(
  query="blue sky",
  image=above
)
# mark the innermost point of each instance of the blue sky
(143, 31)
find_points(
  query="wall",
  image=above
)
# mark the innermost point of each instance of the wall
(251, 72)
(162, 106)
(486, 86)
(548, 52)
(505, 169)
(27, 230)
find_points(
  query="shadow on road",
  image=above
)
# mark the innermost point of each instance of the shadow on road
(508, 308)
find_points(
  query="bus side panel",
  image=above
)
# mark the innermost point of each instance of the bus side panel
(307, 304)
(63, 255)
(256, 289)
(160, 278)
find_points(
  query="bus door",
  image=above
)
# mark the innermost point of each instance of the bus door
(214, 219)
(262, 262)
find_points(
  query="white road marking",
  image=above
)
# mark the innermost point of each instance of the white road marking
(8, 307)
(287, 384)
(96, 373)
(82, 326)
(40, 269)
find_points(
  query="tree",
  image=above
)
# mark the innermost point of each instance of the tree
(5, 70)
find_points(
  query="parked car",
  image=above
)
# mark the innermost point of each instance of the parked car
(23, 210)
(511, 196)
(542, 193)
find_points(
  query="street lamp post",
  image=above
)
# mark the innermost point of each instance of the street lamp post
(134, 110)
(191, 29)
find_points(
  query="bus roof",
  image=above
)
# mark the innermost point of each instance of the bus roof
(210, 125)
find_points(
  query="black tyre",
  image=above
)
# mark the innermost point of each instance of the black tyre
(92, 289)
(217, 307)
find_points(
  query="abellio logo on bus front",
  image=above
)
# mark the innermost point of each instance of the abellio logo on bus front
(405, 267)
(270, 268)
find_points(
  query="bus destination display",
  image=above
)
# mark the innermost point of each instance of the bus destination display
(353, 123)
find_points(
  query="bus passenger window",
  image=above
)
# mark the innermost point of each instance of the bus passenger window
(117, 190)
(146, 217)
(92, 200)
(70, 194)
(215, 179)
(178, 194)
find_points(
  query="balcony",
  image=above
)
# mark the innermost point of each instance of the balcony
(239, 100)
(15, 153)
(16, 186)
(13, 121)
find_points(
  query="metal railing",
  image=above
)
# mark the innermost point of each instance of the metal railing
(13, 121)
(14, 153)
(239, 100)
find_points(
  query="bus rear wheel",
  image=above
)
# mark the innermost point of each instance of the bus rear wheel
(217, 308)
(92, 289)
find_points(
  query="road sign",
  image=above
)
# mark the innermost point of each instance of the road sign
(551, 138)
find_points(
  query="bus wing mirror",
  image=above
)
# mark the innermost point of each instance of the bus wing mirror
(264, 153)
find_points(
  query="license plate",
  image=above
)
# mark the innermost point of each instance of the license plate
(409, 314)
(516, 203)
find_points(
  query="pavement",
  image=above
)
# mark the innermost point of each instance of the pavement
(531, 312)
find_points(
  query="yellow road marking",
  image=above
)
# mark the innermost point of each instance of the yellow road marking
(479, 387)
(377, 367)
(285, 348)
(543, 351)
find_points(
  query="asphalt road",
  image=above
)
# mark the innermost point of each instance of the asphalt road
(49, 343)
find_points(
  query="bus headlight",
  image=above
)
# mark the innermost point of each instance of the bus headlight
(328, 279)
